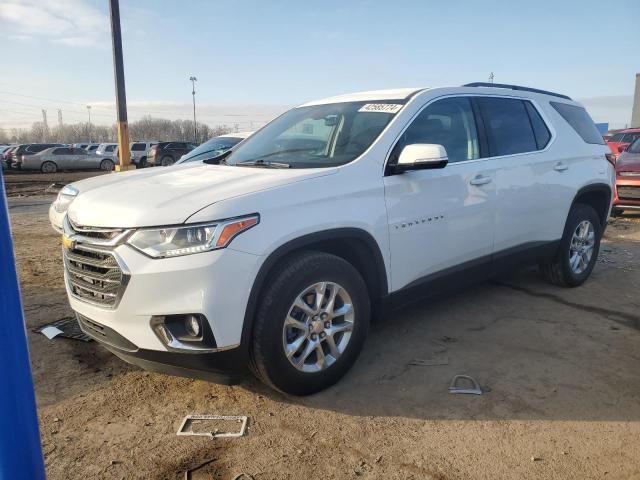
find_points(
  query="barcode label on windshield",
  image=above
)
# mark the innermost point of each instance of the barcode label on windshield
(381, 107)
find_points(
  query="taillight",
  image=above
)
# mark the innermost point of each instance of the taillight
(611, 158)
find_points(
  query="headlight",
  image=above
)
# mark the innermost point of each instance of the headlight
(176, 241)
(65, 197)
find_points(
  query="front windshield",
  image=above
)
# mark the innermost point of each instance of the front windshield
(316, 136)
(635, 146)
(211, 149)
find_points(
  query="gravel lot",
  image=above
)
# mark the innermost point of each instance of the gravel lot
(559, 368)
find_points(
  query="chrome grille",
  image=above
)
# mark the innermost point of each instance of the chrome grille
(94, 275)
(631, 193)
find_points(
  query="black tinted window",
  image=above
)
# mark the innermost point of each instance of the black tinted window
(38, 148)
(508, 126)
(139, 147)
(617, 137)
(448, 122)
(61, 151)
(580, 121)
(539, 127)
(109, 148)
(630, 137)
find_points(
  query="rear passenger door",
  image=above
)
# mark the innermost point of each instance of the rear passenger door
(517, 139)
(62, 157)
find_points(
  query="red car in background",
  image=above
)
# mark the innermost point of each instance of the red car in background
(627, 194)
(622, 139)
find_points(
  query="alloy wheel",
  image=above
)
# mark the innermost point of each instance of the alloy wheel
(581, 247)
(318, 327)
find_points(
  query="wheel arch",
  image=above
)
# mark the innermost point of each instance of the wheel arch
(355, 245)
(598, 196)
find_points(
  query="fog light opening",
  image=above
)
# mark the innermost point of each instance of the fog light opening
(192, 325)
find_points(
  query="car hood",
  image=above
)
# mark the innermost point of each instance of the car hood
(170, 195)
(628, 162)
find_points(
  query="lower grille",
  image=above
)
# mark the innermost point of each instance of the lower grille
(629, 193)
(94, 275)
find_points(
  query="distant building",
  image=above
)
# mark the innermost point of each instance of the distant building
(635, 113)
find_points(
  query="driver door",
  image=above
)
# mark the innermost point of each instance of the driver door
(441, 220)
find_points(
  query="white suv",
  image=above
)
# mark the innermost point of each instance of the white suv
(277, 256)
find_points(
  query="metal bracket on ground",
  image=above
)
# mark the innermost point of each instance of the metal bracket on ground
(189, 418)
(455, 388)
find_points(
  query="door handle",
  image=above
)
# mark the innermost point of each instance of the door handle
(560, 167)
(480, 180)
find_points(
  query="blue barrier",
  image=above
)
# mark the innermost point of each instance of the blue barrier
(20, 449)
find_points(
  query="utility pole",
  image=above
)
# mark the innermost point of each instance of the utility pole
(60, 126)
(89, 111)
(491, 77)
(45, 127)
(121, 96)
(193, 93)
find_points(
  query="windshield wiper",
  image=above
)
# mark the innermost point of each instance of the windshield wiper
(262, 163)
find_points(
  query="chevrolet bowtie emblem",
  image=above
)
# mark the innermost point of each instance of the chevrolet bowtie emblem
(67, 242)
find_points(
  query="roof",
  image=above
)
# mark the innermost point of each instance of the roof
(391, 94)
(237, 135)
(629, 130)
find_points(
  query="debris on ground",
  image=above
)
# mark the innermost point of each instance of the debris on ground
(430, 362)
(455, 388)
(190, 420)
(65, 327)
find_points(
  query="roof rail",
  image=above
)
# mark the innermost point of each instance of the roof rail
(515, 87)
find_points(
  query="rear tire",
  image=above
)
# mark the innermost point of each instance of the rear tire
(323, 338)
(166, 161)
(48, 167)
(143, 162)
(107, 165)
(578, 249)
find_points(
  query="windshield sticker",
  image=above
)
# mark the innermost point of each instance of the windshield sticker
(381, 107)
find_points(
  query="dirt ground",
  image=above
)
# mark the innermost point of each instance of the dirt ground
(559, 368)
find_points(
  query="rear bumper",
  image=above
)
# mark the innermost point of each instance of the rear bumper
(226, 367)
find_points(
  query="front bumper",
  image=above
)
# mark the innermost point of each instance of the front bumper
(629, 183)
(215, 284)
(226, 367)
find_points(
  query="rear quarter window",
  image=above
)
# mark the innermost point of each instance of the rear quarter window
(580, 121)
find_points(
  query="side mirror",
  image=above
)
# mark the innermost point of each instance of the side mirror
(420, 156)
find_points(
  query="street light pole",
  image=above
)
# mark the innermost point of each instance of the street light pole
(89, 110)
(193, 92)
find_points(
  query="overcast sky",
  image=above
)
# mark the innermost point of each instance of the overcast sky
(253, 59)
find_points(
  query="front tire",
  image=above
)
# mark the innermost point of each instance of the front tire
(167, 161)
(578, 250)
(310, 324)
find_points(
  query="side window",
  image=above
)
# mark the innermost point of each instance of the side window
(540, 129)
(138, 147)
(448, 122)
(578, 118)
(509, 130)
(630, 137)
(109, 148)
(61, 151)
(617, 137)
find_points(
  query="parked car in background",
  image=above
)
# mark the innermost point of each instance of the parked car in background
(627, 194)
(92, 147)
(168, 153)
(27, 150)
(106, 150)
(622, 139)
(214, 147)
(139, 153)
(277, 259)
(66, 158)
(7, 155)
